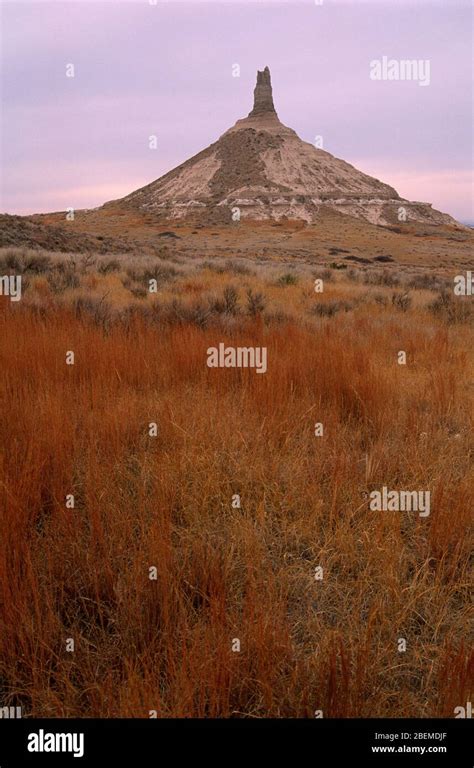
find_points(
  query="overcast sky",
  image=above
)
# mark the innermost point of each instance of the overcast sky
(166, 70)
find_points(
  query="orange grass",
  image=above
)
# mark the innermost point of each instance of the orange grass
(226, 573)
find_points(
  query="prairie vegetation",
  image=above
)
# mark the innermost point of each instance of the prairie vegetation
(225, 573)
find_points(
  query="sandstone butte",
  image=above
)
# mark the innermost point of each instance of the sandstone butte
(263, 170)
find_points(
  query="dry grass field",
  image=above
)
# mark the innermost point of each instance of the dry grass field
(226, 573)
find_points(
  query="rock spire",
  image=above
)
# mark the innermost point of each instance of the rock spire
(262, 95)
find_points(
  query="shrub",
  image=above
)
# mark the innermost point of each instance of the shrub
(139, 291)
(213, 267)
(106, 267)
(287, 279)
(94, 308)
(226, 305)
(381, 278)
(353, 275)
(330, 308)
(13, 261)
(196, 313)
(238, 268)
(62, 279)
(401, 301)
(256, 302)
(162, 274)
(135, 275)
(22, 260)
(88, 260)
(451, 309)
(231, 298)
(425, 282)
(36, 263)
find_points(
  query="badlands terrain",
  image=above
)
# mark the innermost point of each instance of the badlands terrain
(203, 535)
(258, 192)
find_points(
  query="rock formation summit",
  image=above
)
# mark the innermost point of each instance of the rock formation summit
(263, 95)
(260, 169)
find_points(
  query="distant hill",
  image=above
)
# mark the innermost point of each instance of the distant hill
(261, 169)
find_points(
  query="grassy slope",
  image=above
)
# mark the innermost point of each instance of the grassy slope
(165, 501)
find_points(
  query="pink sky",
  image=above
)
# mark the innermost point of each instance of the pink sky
(166, 69)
